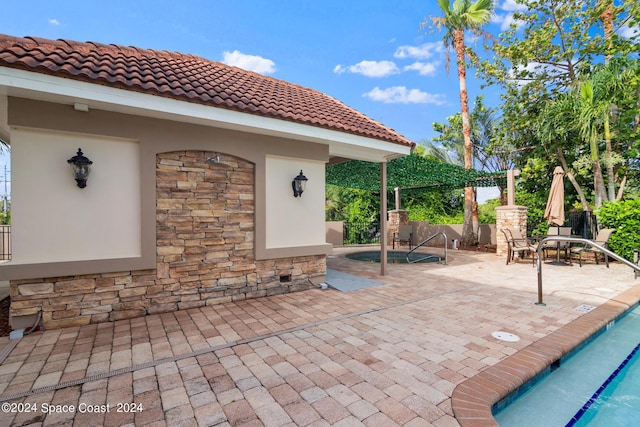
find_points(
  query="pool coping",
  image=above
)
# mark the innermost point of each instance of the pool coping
(473, 399)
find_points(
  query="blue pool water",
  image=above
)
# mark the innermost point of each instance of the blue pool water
(599, 385)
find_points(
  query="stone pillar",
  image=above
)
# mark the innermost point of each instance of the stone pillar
(397, 217)
(513, 217)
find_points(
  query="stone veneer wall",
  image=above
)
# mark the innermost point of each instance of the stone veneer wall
(205, 253)
(513, 217)
(397, 217)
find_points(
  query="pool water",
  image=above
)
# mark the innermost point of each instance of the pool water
(616, 402)
(394, 257)
(599, 385)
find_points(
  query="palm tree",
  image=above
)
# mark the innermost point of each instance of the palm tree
(458, 18)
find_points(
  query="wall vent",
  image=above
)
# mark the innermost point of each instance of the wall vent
(285, 278)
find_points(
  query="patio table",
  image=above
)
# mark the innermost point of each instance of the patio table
(540, 237)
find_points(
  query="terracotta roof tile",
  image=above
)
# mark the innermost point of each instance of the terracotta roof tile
(188, 78)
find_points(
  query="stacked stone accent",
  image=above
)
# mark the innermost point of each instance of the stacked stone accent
(205, 253)
(512, 217)
(397, 217)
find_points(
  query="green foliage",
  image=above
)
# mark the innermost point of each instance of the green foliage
(360, 206)
(624, 217)
(413, 171)
(5, 219)
(351, 205)
(437, 207)
(536, 224)
(540, 62)
(487, 211)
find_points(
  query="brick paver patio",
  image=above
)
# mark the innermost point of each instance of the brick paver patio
(386, 355)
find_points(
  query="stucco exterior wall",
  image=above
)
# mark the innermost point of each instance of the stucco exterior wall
(288, 217)
(182, 184)
(54, 220)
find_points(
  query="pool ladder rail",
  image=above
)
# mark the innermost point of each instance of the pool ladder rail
(440, 233)
(634, 265)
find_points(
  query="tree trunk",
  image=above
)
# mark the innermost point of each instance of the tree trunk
(598, 184)
(572, 179)
(607, 22)
(468, 238)
(611, 181)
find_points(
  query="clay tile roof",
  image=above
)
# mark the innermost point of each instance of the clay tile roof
(189, 78)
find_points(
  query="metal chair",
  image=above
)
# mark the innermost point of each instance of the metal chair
(547, 246)
(403, 235)
(517, 243)
(602, 239)
(558, 246)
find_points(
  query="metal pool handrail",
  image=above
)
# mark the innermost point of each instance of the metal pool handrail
(635, 267)
(439, 233)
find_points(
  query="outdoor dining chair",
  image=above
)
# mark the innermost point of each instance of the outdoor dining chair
(547, 246)
(403, 235)
(602, 239)
(557, 246)
(516, 243)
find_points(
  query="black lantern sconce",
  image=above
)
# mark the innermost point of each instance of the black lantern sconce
(80, 165)
(299, 184)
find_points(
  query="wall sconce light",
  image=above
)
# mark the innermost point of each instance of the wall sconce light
(80, 165)
(299, 184)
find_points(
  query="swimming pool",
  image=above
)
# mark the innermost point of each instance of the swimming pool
(598, 385)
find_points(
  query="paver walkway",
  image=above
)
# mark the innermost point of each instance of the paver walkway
(386, 355)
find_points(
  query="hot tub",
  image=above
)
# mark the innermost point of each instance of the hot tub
(393, 257)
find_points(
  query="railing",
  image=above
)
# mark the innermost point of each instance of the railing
(360, 233)
(440, 233)
(5, 242)
(583, 224)
(635, 267)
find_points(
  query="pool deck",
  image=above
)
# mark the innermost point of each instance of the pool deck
(415, 350)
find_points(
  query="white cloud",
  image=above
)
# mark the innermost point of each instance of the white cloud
(423, 68)
(254, 63)
(54, 22)
(369, 68)
(505, 20)
(628, 32)
(402, 95)
(512, 6)
(424, 51)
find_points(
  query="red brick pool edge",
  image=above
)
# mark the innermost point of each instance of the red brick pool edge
(473, 399)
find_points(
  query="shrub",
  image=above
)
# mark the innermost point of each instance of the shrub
(624, 217)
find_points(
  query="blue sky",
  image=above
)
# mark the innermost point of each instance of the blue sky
(372, 55)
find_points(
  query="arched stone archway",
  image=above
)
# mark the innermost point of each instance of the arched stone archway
(205, 229)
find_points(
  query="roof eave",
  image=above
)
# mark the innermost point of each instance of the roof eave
(43, 87)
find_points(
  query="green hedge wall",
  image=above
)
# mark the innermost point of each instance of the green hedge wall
(624, 216)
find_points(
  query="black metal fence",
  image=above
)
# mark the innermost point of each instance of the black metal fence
(360, 233)
(583, 224)
(5, 242)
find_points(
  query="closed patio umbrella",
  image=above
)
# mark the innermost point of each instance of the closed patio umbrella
(554, 212)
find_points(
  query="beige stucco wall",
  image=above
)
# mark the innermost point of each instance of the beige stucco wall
(288, 218)
(54, 220)
(174, 215)
(103, 130)
(423, 230)
(335, 232)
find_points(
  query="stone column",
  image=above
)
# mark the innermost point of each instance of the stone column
(513, 217)
(397, 217)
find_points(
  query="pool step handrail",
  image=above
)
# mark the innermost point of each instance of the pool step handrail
(439, 233)
(635, 267)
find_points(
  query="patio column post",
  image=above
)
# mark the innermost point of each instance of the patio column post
(383, 218)
(514, 217)
(395, 219)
